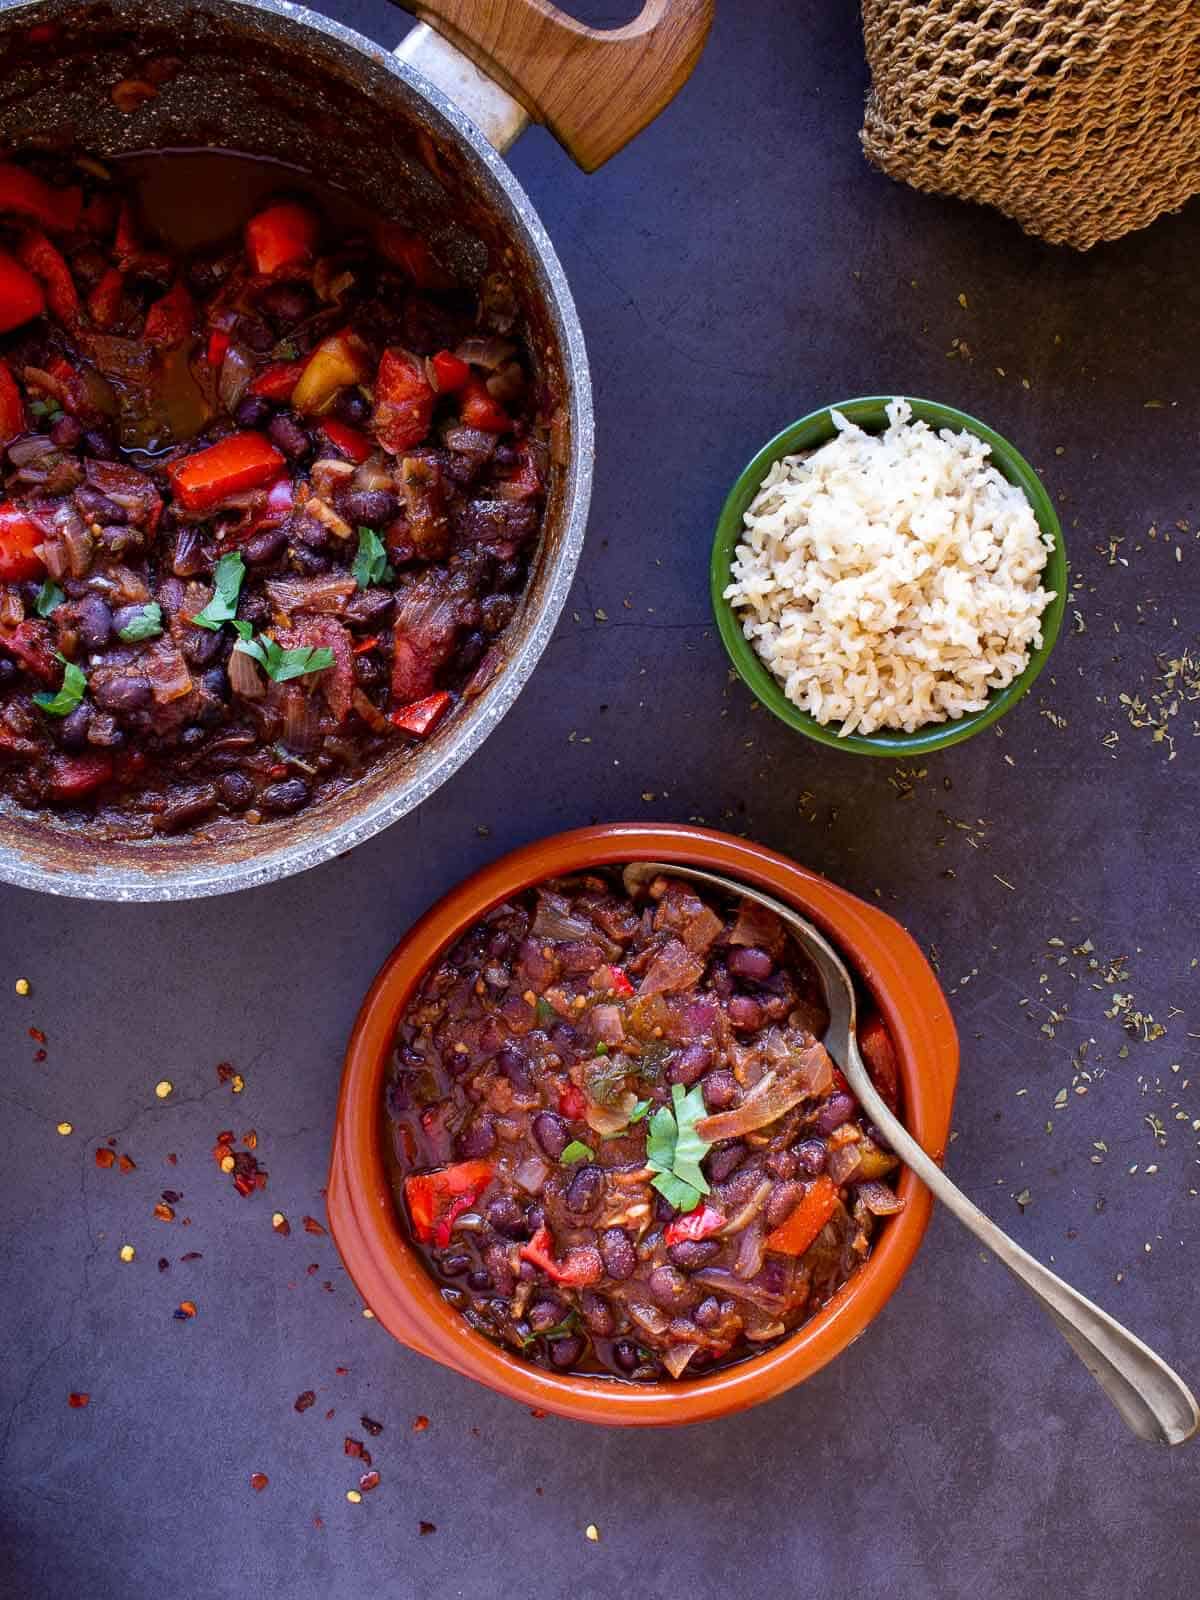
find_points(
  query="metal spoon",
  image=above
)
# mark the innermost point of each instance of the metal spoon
(1154, 1401)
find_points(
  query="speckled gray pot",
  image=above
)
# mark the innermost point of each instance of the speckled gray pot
(270, 78)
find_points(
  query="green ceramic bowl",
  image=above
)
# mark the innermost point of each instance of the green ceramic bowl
(807, 434)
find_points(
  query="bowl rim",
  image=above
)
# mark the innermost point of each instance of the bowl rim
(396, 1286)
(809, 432)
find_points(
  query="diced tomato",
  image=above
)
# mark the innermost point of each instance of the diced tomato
(697, 1224)
(479, 410)
(170, 320)
(879, 1054)
(24, 194)
(30, 643)
(105, 298)
(71, 777)
(403, 402)
(578, 1267)
(12, 407)
(572, 1103)
(19, 538)
(412, 254)
(449, 372)
(21, 297)
(276, 382)
(524, 482)
(336, 682)
(430, 1195)
(281, 236)
(618, 982)
(336, 363)
(242, 461)
(420, 717)
(354, 446)
(46, 263)
(217, 347)
(794, 1235)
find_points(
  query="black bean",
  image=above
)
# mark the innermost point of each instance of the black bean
(265, 546)
(95, 622)
(692, 1062)
(552, 1133)
(625, 1354)
(187, 558)
(170, 595)
(8, 671)
(720, 1090)
(122, 694)
(584, 1190)
(838, 1109)
(287, 435)
(597, 1313)
(284, 797)
(202, 645)
(506, 1216)
(66, 432)
(545, 1314)
(368, 671)
(565, 1352)
(690, 1254)
(747, 961)
(98, 507)
(186, 808)
(369, 608)
(477, 1138)
(480, 1280)
(515, 1067)
(744, 1013)
(309, 562)
(285, 303)
(375, 507)
(782, 1164)
(535, 1216)
(351, 406)
(618, 1255)
(72, 730)
(215, 682)
(252, 412)
(455, 1266)
(724, 1160)
(708, 1313)
(782, 1201)
(668, 1287)
(495, 1258)
(98, 444)
(811, 1156)
(254, 332)
(192, 737)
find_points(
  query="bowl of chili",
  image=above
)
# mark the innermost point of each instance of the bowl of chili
(385, 1248)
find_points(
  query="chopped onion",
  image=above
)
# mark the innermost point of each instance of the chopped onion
(648, 1317)
(167, 671)
(677, 1357)
(329, 474)
(750, 1251)
(22, 451)
(607, 1025)
(54, 557)
(611, 1119)
(810, 1074)
(488, 353)
(372, 473)
(326, 515)
(722, 1281)
(370, 713)
(244, 678)
(326, 595)
(754, 1204)
(77, 542)
(301, 728)
(554, 920)
(12, 607)
(879, 1198)
(236, 372)
(843, 1163)
(673, 968)
(531, 1175)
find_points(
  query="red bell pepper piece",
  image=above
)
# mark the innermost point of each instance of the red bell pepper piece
(697, 1224)
(432, 1197)
(242, 461)
(420, 717)
(105, 298)
(171, 318)
(46, 262)
(19, 538)
(449, 372)
(618, 982)
(412, 254)
(354, 445)
(794, 1235)
(371, 642)
(127, 245)
(879, 1054)
(217, 347)
(12, 407)
(281, 236)
(403, 402)
(479, 410)
(577, 1268)
(21, 297)
(277, 381)
(71, 777)
(24, 194)
(572, 1103)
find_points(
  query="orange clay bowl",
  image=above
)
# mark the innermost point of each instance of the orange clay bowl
(362, 1211)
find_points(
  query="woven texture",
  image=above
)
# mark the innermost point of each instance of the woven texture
(1079, 118)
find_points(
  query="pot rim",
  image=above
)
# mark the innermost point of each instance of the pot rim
(362, 1215)
(131, 881)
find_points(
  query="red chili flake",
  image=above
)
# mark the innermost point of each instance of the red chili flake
(278, 772)
(37, 1036)
(281, 1224)
(112, 1143)
(39, 1055)
(105, 1159)
(127, 1163)
(539, 1490)
(78, 1401)
(313, 1266)
(330, 1414)
(193, 1255)
(342, 1372)
(187, 1308)
(173, 1159)
(536, 1411)
(260, 1179)
(372, 1427)
(353, 1447)
(225, 1071)
(259, 1481)
(327, 1286)
(420, 1424)
(311, 1225)
(250, 1140)
(163, 1212)
(172, 1196)
(163, 1264)
(303, 1401)
(243, 1183)
(368, 1481)
(318, 1522)
(427, 1527)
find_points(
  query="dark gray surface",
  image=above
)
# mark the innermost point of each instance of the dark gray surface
(736, 267)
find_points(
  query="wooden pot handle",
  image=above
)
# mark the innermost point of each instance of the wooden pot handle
(594, 88)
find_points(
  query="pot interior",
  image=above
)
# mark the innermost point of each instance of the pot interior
(275, 81)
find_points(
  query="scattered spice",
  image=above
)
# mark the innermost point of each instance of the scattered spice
(237, 1083)
(127, 1252)
(281, 1224)
(305, 1400)
(311, 1225)
(164, 1212)
(22, 986)
(37, 1036)
(373, 1428)
(186, 1310)
(259, 1481)
(353, 1496)
(192, 1255)
(65, 1128)
(368, 1313)
(427, 1527)
(592, 1532)
(368, 1481)
(225, 1071)
(77, 1401)
(354, 1447)
(420, 1424)
(163, 1264)
(126, 1163)
(163, 1088)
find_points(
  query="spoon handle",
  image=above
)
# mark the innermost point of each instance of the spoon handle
(1153, 1399)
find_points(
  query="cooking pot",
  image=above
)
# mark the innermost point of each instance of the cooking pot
(418, 135)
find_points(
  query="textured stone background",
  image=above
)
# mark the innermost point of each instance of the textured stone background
(736, 267)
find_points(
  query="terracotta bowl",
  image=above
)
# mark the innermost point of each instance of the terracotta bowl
(363, 1216)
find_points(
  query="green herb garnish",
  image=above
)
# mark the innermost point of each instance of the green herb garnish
(68, 697)
(371, 564)
(576, 1151)
(544, 1012)
(50, 597)
(640, 1110)
(674, 1150)
(286, 350)
(227, 585)
(283, 664)
(146, 625)
(602, 1048)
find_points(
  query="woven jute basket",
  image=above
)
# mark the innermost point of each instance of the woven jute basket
(1079, 118)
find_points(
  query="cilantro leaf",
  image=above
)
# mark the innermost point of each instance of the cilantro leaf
(242, 629)
(227, 585)
(674, 1150)
(677, 1193)
(576, 1151)
(545, 1013)
(371, 564)
(146, 625)
(283, 664)
(50, 597)
(68, 697)
(639, 1110)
